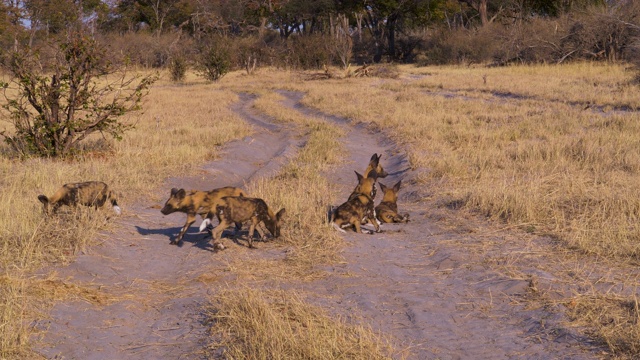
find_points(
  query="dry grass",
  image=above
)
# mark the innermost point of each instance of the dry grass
(255, 324)
(539, 156)
(612, 320)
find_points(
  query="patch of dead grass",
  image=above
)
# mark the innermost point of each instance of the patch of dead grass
(278, 324)
(612, 320)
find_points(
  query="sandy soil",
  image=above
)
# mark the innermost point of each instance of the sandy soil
(446, 285)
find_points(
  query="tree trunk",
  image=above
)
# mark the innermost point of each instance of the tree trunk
(482, 9)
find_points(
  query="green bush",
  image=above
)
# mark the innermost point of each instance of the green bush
(178, 68)
(214, 62)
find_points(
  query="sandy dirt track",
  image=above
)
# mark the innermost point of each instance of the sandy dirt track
(445, 285)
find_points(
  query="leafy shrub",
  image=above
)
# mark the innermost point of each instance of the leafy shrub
(178, 68)
(56, 102)
(214, 62)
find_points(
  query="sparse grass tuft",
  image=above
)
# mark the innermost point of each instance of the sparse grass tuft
(260, 324)
(612, 320)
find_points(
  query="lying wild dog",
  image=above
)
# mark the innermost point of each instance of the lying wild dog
(387, 210)
(196, 202)
(89, 193)
(374, 165)
(241, 209)
(360, 206)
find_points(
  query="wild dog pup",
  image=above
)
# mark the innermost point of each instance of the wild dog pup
(89, 193)
(374, 165)
(241, 209)
(359, 206)
(387, 210)
(196, 202)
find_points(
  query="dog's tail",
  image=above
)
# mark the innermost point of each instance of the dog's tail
(114, 202)
(205, 222)
(335, 226)
(331, 213)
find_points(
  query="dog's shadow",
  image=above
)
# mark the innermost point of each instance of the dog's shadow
(200, 240)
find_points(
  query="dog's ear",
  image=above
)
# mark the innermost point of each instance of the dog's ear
(280, 214)
(360, 177)
(174, 191)
(43, 199)
(375, 160)
(382, 187)
(396, 187)
(180, 194)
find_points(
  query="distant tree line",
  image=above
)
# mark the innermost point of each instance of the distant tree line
(312, 34)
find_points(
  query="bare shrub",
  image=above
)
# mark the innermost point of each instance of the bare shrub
(459, 46)
(603, 33)
(342, 44)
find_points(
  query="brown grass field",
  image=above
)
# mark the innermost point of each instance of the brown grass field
(549, 150)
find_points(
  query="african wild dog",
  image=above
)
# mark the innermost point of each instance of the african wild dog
(387, 210)
(241, 209)
(359, 206)
(374, 165)
(196, 202)
(89, 193)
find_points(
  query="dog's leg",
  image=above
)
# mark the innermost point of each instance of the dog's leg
(191, 218)
(252, 228)
(374, 221)
(263, 235)
(216, 233)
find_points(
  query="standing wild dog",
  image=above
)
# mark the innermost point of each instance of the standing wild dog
(89, 193)
(359, 206)
(374, 165)
(241, 209)
(196, 202)
(387, 210)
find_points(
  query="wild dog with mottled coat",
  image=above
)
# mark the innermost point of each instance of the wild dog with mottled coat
(88, 193)
(359, 206)
(241, 209)
(374, 165)
(195, 202)
(387, 210)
